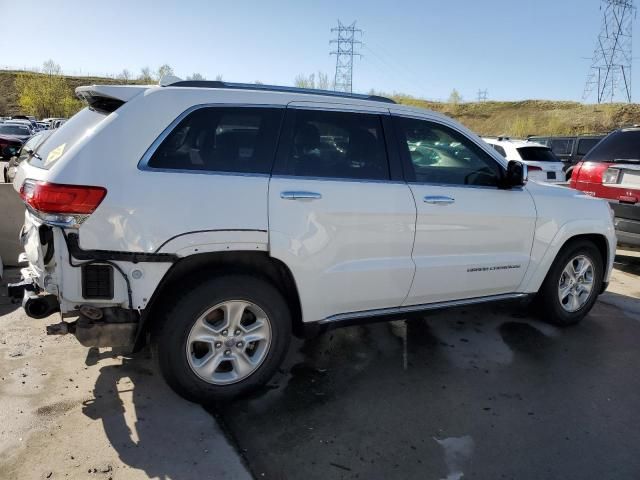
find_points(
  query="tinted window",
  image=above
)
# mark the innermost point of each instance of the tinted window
(241, 140)
(439, 154)
(586, 144)
(499, 149)
(619, 145)
(338, 145)
(537, 154)
(14, 130)
(562, 146)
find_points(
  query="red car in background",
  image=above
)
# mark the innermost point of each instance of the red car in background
(611, 170)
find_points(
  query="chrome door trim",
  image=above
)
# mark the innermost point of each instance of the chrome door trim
(418, 308)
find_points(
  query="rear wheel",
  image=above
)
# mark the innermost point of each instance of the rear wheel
(223, 338)
(572, 284)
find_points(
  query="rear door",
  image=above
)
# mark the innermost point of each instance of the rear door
(340, 215)
(473, 239)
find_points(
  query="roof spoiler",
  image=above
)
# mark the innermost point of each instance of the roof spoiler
(108, 98)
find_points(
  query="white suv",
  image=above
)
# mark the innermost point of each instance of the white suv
(542, 163)
(214, 220)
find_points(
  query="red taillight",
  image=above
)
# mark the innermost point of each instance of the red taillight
(52, 198)
(533, 169)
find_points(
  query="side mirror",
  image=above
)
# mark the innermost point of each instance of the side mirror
(517, 174)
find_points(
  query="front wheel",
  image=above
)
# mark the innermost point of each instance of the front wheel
(572, 284)
(223, 338)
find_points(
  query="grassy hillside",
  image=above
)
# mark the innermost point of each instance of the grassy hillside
(535, 117)
(516, 119)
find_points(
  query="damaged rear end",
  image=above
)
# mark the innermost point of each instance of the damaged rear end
(54, 279)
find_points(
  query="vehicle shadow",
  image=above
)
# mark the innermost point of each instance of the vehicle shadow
(151, 428)
(627, 263)
(6, 304)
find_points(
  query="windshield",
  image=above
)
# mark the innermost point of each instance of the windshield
(621, 145)
(537, 154)
(14, 130)
(62, 139)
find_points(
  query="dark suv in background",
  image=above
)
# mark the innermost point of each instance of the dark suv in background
(569, 149)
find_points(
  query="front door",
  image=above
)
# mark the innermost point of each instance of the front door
(473, 239)
(339, 217)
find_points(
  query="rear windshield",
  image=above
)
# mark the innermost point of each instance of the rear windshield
(74, 130)
(537, 154)
(14, 130)
(619, 146)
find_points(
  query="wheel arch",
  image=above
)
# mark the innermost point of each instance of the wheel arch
(193, 269)
(604, 240)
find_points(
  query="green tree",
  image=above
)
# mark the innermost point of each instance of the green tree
(46, 93)
(196, 76)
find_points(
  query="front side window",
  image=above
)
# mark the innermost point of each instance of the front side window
(337, 145)
(440, 155)
(221, 139)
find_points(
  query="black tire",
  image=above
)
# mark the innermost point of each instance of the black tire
(169, 338)
(548, 302)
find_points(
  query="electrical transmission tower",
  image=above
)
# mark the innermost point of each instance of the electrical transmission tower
(482, 95)
(346, 44)
(610, 73)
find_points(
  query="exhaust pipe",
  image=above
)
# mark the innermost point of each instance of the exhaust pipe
(39, 306)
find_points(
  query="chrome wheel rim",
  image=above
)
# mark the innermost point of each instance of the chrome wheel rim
(576, 283)
(228, 342)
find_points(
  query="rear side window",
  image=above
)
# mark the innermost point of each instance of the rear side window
(337, 145)
(537, 154)
(54, 147)
(562, 146)
(440, 155)
(221, 139)
(586, 144)
(617, 146)
(499, 149)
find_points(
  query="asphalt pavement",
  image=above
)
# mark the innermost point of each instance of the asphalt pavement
(481, 393)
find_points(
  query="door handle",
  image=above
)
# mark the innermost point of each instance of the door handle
(298, 195)
(438, 200)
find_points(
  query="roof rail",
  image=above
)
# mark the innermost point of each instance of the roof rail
(276, 88)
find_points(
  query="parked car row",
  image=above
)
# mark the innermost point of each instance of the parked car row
(569, 149)
(611, 170)
(17, 131)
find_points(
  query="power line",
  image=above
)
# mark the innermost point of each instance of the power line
(346, 44)
(610, 72)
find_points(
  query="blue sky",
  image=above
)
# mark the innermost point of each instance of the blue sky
(516, 50)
